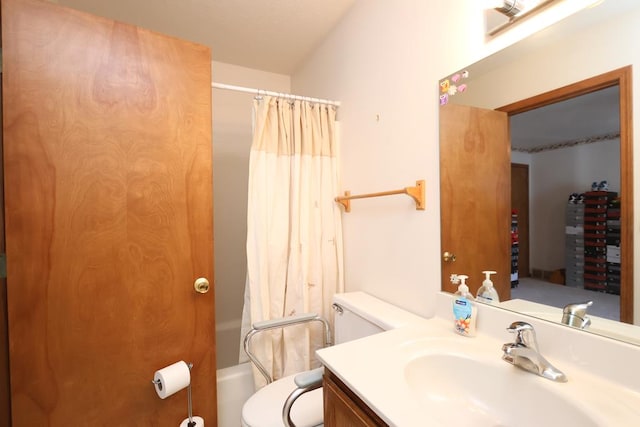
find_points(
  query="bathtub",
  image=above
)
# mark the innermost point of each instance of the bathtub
(235, 386)
(228, 343)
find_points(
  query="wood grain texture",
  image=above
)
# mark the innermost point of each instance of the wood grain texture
(623, 78)
(109, 218)
(475, 196)
(5, 387)
(520, 202)
(342, 408)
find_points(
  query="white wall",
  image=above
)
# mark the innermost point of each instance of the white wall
(520, 157)
(385, 59)
(377, 63)
(232, 116)
(554, 175)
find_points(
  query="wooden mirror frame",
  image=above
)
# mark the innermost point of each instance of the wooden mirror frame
(621, 77)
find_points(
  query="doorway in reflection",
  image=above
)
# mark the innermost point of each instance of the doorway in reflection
(559, 152)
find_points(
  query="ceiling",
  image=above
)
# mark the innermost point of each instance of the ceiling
(588, 116)
(268, 35)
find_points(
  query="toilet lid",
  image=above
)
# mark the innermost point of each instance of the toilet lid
(264, 408)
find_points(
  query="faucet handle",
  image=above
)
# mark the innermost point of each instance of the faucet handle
(577, 309)
(519, 326)
(576, 314)
(525, 334)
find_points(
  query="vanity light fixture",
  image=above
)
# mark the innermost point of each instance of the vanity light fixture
(513, 8)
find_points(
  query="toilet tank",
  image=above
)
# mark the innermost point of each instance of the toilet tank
(358, 314)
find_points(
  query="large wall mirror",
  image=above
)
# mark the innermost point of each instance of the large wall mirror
(522, 131)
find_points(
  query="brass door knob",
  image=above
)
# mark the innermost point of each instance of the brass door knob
(201, 285)
(449, 257)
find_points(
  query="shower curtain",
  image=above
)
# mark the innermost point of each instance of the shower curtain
(294, 229)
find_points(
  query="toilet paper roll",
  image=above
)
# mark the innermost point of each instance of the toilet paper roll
(198, 420)
(171, 379)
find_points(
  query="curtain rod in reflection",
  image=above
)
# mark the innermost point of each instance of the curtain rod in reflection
(276, 94)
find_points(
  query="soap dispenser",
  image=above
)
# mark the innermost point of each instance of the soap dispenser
(464, 309)
(487, 293)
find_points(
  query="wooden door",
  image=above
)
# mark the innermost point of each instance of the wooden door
(108, 203)
(475, 196)
(5, 389)
(520, 202)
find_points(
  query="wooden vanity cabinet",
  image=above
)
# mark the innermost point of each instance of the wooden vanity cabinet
(342, 408)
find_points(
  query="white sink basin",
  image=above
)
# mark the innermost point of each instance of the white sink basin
(484, 393)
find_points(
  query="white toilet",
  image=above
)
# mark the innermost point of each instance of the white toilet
(357, 315)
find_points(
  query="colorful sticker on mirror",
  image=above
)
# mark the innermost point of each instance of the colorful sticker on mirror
(449, 87)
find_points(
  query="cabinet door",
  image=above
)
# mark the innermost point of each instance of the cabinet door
(108, 203)
(343, 409)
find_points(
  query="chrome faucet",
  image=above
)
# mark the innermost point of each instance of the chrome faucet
(576, 314)
(524, 354)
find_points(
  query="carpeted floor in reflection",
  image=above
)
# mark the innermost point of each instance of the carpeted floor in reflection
(604, 305)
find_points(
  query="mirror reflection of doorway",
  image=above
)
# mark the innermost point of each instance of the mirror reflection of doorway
(561, 149)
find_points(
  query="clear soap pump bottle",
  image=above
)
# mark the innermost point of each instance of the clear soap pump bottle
(487, 293)
(464, 309)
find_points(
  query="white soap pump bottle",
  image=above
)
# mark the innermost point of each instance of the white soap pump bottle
(464, 309)
(487, 293)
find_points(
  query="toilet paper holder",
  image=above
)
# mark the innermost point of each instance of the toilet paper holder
(190, 423)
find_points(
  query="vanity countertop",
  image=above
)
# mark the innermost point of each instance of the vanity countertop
(375, 369)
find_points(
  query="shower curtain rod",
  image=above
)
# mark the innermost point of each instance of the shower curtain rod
(277, 94)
